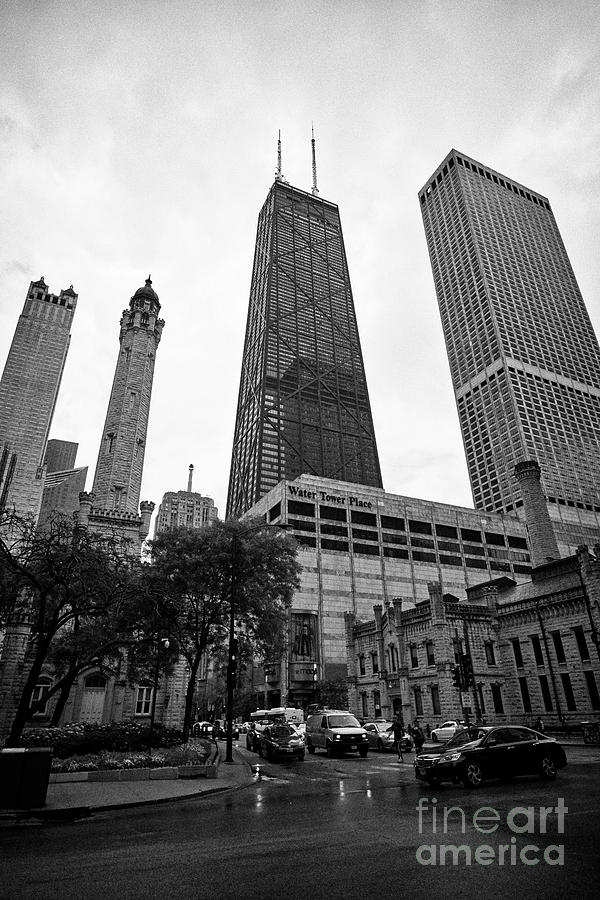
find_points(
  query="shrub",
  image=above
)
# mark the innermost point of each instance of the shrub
(91, 762)
(84, 737)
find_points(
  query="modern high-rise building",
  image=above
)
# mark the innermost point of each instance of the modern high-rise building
(118, 478)
(63, 482)
(303, 404)
(28, 391)
(185, 509)
(524, 359)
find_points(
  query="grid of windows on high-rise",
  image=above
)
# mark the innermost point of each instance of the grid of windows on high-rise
(303, 404)
(333, 528)
(523, 355)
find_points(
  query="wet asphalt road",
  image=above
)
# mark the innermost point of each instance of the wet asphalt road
(340, 828)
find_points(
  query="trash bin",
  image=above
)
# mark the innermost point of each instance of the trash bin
(24, 776)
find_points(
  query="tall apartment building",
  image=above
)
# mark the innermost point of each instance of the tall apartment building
(28, 391)
(524, 359)
(184, 509)
(303, 403)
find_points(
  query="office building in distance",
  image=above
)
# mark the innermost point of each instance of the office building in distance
(524, 359)
(184, 509)
(63, 483)
(28, 392)
(303, 404)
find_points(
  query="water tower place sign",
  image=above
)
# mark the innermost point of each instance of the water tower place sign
(325, 497)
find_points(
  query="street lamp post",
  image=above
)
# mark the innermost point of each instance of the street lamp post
(165, 643)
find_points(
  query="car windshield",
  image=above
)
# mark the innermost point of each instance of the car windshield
(383, 726)
(343, 722)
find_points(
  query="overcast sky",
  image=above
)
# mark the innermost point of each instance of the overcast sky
(140, 137)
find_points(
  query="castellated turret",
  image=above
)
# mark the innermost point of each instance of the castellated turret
(118, 478)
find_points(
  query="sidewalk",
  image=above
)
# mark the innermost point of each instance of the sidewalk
(82, 798)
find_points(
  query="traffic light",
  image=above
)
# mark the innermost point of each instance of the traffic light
(467, 666)
(457, 678)
(315, 672)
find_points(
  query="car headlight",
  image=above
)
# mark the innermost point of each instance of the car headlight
(451, 757)
(337, 737)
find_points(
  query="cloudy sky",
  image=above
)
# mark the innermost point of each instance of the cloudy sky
(140, 136)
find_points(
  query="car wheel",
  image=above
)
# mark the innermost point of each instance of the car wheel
(547, 768)
(363, 751)
(260, 753)
(310, 747)
(472, 775)
(379, 744)
(434, 737)
(329, 750)
(301, 757)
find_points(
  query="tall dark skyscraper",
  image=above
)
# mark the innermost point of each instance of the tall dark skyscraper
(524, 359)
(28, 393)
(303, 404)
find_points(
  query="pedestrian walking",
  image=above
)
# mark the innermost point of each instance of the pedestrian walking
(418, 737)
(398, 732)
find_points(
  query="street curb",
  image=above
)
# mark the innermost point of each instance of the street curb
(67, 813)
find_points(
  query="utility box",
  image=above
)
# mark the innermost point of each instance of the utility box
(24, 776)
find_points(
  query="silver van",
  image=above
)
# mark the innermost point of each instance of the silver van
(337, 732)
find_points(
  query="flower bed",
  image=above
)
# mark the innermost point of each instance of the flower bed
(184, 755)
(84, 738)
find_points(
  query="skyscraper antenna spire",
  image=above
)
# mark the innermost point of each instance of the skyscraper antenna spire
(191, 471)
(278, 172)
(315, 189)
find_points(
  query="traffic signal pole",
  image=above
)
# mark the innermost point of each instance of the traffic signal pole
(469, 673)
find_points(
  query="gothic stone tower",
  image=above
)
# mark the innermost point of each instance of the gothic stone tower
(118, 478)
(114, 504)
(28, 392)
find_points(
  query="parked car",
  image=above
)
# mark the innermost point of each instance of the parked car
(446, 730)
(381, 736)
(281, 740)
(337, 732)
(502, 752)
(424, 761)
(202, 729)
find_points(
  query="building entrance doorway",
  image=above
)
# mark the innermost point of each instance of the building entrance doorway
(94, 695)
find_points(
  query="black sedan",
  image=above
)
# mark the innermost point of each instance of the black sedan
(501, 752)
(425, 760)
(281, 740)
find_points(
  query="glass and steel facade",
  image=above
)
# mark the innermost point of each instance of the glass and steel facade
(303, 404)
(524, 359)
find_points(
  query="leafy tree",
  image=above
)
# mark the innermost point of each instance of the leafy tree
(332, 693)
(196, 577)
(79, 592)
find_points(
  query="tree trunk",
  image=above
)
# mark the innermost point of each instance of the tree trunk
(24, 708)
(65, 689)
(189, 697)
